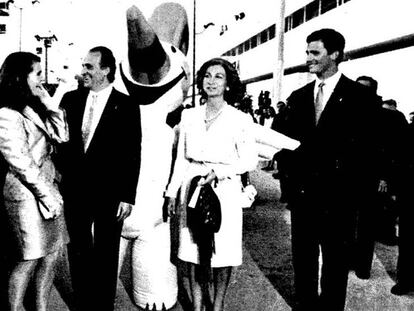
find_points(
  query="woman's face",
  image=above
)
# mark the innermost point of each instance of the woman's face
(35, 78)
(215, 81)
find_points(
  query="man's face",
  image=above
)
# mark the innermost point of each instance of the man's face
(318, 60)
(94, 77)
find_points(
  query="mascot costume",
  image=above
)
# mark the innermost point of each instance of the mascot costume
(156, 75)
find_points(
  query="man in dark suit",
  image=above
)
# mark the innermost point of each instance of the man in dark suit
(331, 172)
(100, 166)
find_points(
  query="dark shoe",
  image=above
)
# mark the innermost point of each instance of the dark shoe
(389, 241)
(363, 275)
(276, 175)
(400, 290)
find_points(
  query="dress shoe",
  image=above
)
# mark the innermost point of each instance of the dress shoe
(388, 240)
(399, 289)
(363, 275)
(276, 175)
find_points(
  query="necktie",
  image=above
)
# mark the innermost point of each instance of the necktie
(87, 122)
(319, 102)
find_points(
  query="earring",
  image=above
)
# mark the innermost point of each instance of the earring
(227, 88)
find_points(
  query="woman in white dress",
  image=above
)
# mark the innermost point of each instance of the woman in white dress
(216, 141)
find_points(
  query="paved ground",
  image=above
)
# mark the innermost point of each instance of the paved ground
(264, 282)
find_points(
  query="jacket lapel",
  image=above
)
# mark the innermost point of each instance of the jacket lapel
(107, 113)
(335, 99)
(29, 113)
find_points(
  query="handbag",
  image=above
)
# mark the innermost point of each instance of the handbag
(203, 220)
(205, 215)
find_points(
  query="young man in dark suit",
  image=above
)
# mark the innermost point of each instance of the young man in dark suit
(100, 166)
(331, 172)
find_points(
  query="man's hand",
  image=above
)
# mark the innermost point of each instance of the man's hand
(171, 206)
(124, 210)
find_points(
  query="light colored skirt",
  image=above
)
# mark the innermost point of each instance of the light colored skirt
(228, 241)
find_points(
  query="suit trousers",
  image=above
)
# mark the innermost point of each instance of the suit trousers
(318, 229)
(93, 254)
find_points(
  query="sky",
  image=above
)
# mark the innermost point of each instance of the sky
(80, 24)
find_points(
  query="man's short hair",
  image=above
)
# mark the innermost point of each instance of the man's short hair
(372, 82)
(107, 60)
(332, 40)
(390, 102)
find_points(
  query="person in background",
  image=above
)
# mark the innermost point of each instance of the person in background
(367, 226)
(265, 112)
(31, 123)
(411, 118)
(331, 172)
(394, 130)
(278, 125)
(400, 212)
(100, 166)
(209, 147)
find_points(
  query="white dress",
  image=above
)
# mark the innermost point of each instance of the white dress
(227, 147)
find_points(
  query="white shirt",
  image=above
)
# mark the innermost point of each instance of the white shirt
(99, 106)
(328, 88)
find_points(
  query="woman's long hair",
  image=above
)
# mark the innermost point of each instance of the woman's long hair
(15, 92)
(236, 89)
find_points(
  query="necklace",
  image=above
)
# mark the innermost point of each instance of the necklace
(214, 116)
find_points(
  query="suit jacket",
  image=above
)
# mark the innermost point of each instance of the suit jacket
(26, 146)
(29, 182)
(108, 171)
(340, 155)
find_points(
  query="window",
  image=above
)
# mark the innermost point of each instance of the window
(288, 23)
(233, 52)
(253, 42)
(312, 10)
(2, 28)
(272, 31)
(297, 18)
(263, 36)
(4, 6)
(327, 5)
(247, 45)
(240, 49)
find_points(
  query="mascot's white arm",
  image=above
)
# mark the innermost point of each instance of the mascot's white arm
(270, 141)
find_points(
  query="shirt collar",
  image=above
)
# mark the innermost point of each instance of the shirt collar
(331, 82)
(103, 94)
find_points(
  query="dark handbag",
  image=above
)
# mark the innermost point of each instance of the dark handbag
(203, 220)
(206, 215)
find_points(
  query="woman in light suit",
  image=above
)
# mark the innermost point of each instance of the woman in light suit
(30, 199)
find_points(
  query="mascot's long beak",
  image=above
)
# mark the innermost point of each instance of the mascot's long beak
(169, 20)
(147, 58)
